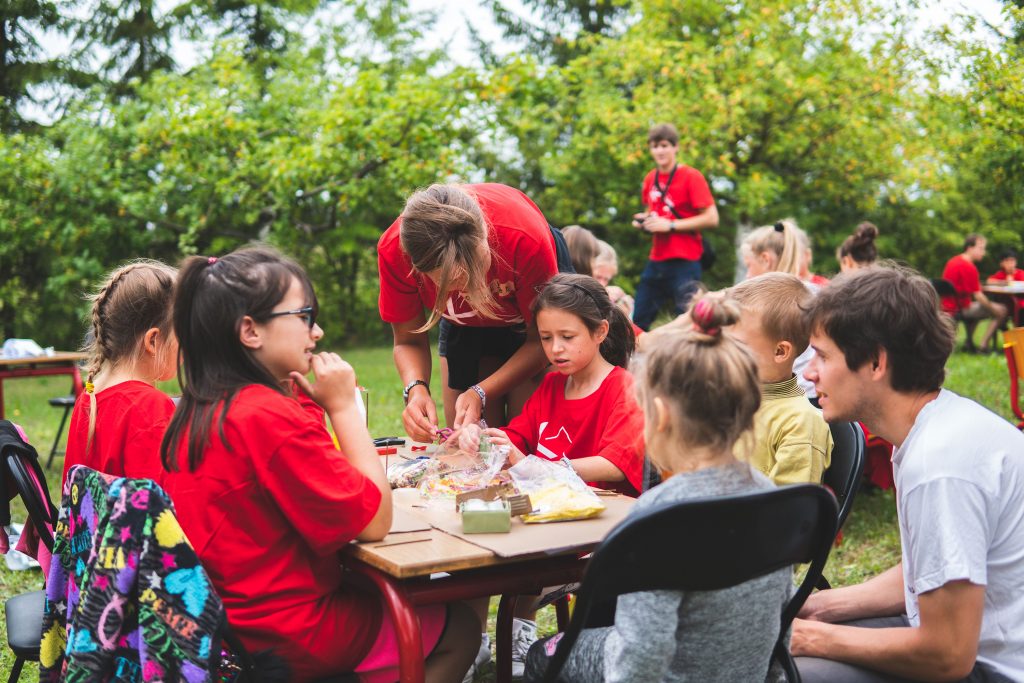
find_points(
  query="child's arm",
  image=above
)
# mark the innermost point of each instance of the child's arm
(335, 391)
(596, 468)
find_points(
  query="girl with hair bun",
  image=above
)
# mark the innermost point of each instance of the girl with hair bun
(118, 422)
(858, 250)
(473, 257)
(698, 390)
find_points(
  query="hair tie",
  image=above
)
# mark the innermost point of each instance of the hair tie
(703, 316)
(89, 387)
(211, 260)
(780, 226)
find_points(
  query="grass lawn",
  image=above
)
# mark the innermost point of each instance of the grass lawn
(871, 538)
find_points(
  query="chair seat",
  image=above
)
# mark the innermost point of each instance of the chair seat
(63, 402)
(25, 624)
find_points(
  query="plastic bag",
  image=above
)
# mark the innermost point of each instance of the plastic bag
(556, 492)
(409, 473)
(460, 471)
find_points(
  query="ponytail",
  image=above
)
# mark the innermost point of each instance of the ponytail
(781, 239)
(584, 297)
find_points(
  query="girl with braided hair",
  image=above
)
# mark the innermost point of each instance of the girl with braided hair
(119, 420)
(698, 390)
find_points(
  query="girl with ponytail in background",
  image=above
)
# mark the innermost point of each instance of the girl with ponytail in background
(119, 420)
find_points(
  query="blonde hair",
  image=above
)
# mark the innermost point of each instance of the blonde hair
(444, 229)
(780, 299)
(781, 239)
(606, 256)
(583, 248)
(707, 380)
(133, 299)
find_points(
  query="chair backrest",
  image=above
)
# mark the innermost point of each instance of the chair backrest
(945, 288)
(20, 462)
(715, 543)
(846, 470)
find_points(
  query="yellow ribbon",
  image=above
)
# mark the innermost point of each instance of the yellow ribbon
(89, 387)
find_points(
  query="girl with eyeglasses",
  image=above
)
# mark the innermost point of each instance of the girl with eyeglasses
(260, 489)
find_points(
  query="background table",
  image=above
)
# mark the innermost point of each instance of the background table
(401, 565)
(1012, 295)
(60, 363)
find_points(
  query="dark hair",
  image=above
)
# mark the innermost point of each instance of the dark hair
(860, 246)
(971, 240)
(211, 297)
(1009, 253)
(892, 308)
(707, 379)
(663, 131)
(584, 297)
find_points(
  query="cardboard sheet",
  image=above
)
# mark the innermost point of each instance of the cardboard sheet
(404, 521)
(529, 539)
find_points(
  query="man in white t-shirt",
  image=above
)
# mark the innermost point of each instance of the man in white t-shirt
(953, 609)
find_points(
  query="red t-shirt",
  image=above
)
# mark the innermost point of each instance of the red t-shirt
(819, 280)
(688, 193)
(1018, 275)
(131, 418)
(523, 258)
(267, 519)
(964, 276)
(608, 423)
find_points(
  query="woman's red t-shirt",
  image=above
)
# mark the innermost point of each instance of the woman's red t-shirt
(523, 258)
(608, 423)
(267, 518)
(131, 418)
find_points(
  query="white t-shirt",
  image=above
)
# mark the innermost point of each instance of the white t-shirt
(960, 479)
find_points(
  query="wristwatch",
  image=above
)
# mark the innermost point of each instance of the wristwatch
(409, 387)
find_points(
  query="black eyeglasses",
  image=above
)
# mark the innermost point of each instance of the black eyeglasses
(306, 312)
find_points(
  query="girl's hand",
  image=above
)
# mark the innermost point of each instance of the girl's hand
(335, 386)
(467, 409)
(468, 438)
(500, 438)
(420, 417)
(655, 223)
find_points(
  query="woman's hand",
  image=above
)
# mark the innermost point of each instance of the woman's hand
(500, 438)
(655, 223)
(335, 386)
(468, 409)
(420, 416)
(468, 438)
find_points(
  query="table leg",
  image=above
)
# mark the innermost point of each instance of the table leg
(407, 625)
(503, 636)
(76, 381)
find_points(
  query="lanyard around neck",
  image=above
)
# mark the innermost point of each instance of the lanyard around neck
(668, 181)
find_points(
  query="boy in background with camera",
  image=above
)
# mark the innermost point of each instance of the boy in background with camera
(679, 206)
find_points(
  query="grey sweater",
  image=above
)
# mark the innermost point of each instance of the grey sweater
(705, 636)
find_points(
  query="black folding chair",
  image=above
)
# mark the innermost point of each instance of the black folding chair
(944, 288)
(716, 543)
(24, 613)
(845, 472)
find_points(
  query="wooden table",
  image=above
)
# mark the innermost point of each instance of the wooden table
(401, 565)
(60, 363)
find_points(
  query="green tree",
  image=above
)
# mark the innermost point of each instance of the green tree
(23, 63)
(789, 107)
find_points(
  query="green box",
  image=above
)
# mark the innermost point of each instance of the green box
(487, 521)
